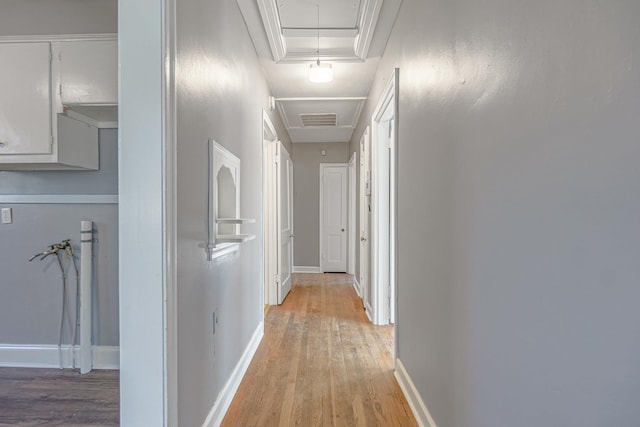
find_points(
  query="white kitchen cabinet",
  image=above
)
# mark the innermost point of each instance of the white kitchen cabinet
(89, 72)
(39, 80)
(25, 99)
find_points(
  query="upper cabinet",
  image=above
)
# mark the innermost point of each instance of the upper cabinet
(89, 72)
(25, 94)
(55, 94)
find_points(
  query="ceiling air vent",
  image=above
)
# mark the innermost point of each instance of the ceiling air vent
(324, 119)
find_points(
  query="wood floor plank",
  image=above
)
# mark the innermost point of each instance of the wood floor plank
(321, 363)
(31, 397)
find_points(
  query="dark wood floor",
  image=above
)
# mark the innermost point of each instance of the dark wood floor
(31, 397)
(321, 363)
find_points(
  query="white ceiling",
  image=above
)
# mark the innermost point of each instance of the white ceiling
(352, 36)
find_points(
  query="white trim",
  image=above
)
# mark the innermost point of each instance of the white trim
(381, 298)
(86, 292)
(100, 124)
(146, 249)
(170, 185)
(356, 286)
(65, 199)
(222, 403)
(417, 405)
(58, 38)
(352, 241)
(368, 311)
(46, 356)
(367, 26)
(306, 269)
(364, 267)
(273, 29)
(269, 216)
(106, 357)
(324, 98)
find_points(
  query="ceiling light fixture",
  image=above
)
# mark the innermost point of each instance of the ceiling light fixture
(320, 73)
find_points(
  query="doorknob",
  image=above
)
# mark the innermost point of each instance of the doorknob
(343, 230)
(292, 235)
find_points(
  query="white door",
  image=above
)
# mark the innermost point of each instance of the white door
(285, 221)
(333, 217)
(365, 214)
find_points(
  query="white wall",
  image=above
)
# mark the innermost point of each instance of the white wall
(519, 225)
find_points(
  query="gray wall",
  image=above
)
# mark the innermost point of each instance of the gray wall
(519, 209)
(43, 17)
(30, 293)
(306, 197)
(30, 302)
(221, 93)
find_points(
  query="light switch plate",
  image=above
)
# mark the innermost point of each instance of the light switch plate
(7, 216)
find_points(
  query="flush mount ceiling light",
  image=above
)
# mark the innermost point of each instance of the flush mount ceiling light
(320, 73)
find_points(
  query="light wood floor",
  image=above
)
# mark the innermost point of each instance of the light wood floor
(321, 363)
(31, 397)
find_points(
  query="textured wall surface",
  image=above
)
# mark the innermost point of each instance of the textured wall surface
(36, 17)
(519, 209)
(221, 93)
(31, 292)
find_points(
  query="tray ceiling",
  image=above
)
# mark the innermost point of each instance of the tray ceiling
(352, 36)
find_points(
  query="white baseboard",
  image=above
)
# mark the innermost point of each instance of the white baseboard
(368, 311)
(419, 409)
(46, 356)
(357, 287)
(306, 269)
(222, 403)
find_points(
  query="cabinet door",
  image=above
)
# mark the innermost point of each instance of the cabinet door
(89, 72)
(25, 98)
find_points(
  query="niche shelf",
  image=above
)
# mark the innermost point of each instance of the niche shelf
(224, 219)
(235, 220)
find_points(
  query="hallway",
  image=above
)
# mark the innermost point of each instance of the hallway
(321, 363)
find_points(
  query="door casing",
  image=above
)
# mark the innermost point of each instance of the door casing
(270, 215)
(364, 275)
(384, 204)
(284, 184)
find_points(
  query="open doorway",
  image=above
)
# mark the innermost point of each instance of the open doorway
(383, 205)
(278, 216)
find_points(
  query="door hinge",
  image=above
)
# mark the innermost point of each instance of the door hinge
(276, 279)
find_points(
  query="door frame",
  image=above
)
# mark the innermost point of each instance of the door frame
(270, 214)
(323, 166)
(352, 232)
(384, 298)
(280, 281)
(364, 230)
